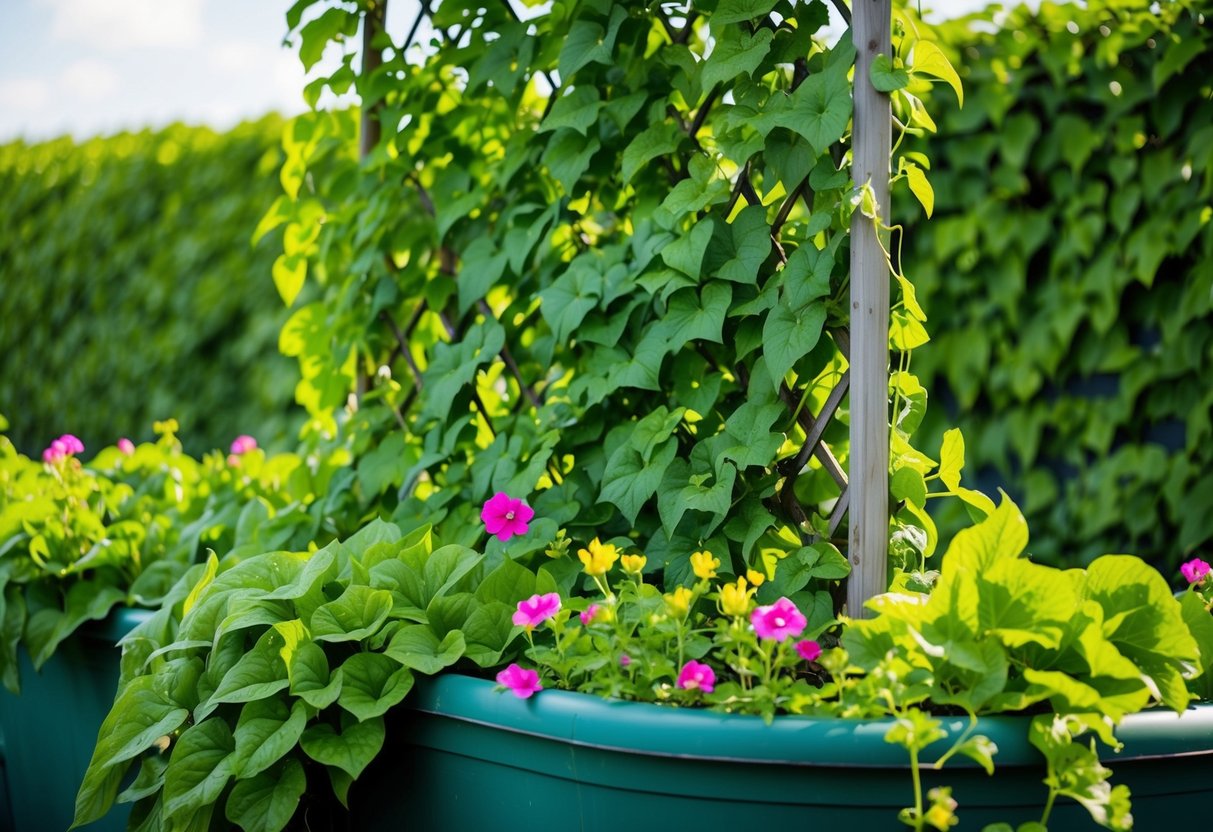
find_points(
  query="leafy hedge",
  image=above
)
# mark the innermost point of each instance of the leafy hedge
(131, 292)
(1072, 249)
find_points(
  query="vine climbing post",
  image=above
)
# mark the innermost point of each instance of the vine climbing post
(869, 492)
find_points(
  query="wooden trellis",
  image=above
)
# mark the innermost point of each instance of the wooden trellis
(871, 30)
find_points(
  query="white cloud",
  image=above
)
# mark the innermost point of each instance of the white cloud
(122, 24)
(23, 93)
(89, 79)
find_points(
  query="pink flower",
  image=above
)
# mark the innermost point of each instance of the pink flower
(808, 650)
(778, 621)
(73, 445)
(126, 446)
(697, 676)
(523, 683)
(537, 609)
(625, 660)
(588, 614)
(1195, 570)
(505, 517)
(56, 451)
(242, 444)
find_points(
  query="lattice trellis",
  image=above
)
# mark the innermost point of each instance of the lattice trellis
(863, 496)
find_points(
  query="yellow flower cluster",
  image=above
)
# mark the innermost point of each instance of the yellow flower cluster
(633, 564)
(704, 565)
(735, 598)
(678, 603)
(599, 557)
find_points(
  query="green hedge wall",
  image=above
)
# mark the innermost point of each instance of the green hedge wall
(131, 291)
(1068, 271)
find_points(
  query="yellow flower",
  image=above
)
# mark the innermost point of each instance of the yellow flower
(704, 565)
(633, 564)
(755, 577)
(679, 602)
(735, 598)
(599, 558)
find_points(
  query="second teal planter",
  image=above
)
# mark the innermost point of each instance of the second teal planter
(468, 757)
(50, 730)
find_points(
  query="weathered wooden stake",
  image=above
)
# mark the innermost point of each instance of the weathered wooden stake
(869, 481)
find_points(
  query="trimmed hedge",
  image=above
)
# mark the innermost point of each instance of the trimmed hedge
(132, 293)
(1069, 269)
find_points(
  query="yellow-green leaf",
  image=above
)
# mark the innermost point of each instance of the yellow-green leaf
(930, 60)
(919, 184)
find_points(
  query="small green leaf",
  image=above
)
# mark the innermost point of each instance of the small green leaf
(418, 647)
(289, 272)
(660, 139)
(578, 110)
(921, 186)
(888, 77)
(310, 679)
(372, 683)
(952, 458)
(686, 253)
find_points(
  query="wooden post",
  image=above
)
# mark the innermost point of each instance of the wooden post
(869, 477)
(372, 58)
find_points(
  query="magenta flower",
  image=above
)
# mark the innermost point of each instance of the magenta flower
(778, 621)
(625, 660)
(242, 444)
(522, 682)
(697, 676)
(537, 609)
(587, 615)
(808, 650)
(1195, 570)
(62, 448)
(126, 446)
(505, 517)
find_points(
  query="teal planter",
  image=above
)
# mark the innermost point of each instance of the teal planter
(51, 728)
(468, 757)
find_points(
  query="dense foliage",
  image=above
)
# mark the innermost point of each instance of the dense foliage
(1072, 247)
(591, 264)
(131, 292)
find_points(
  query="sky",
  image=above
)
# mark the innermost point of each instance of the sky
(93, 67)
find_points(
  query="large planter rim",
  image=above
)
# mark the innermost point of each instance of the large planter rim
(691, 733)
(116, 625)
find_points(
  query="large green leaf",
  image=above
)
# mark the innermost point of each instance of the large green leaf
(140, 716)
(267, 802)
(737, 51)
(200, 766)
(351, 749)
(259, 673)
(353, 616)
(789, 335)
(1144, 621)
(266, 732)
